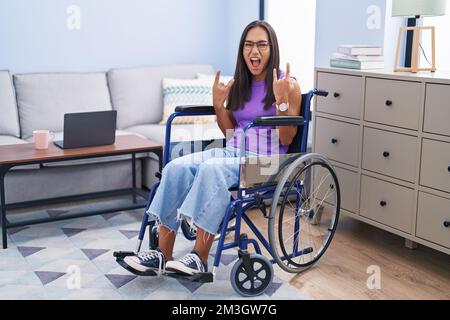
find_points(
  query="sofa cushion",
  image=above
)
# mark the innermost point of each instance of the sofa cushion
(8, 140)
(179, 132)
(43, 99)
(9, 119)
(74, 180)
(136, 93)
(4, 140)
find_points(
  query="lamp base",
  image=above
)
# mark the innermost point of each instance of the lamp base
(415, 50)
(413, 70)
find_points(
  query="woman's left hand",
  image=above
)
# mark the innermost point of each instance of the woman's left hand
(283, 88)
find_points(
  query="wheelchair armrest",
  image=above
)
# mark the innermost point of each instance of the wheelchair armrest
(321, 93)
(278, 121)
(203, 110)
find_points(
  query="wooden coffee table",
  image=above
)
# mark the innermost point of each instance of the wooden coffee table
(24, 154)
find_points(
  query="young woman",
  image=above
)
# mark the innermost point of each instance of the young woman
(196, 186)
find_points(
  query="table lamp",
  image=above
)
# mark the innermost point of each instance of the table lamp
(414, 9)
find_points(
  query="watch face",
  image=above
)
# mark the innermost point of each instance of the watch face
(283, 107)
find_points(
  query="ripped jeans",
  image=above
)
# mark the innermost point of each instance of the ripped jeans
(196, 186)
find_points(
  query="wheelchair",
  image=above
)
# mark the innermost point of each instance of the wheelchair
(299, 199)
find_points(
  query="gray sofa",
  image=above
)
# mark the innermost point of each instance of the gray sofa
(39, 101)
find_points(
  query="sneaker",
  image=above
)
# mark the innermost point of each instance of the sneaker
(190, 264)
(147, 260)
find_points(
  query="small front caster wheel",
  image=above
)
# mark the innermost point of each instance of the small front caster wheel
(253, 278)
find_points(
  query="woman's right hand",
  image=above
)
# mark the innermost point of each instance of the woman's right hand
(221, 91)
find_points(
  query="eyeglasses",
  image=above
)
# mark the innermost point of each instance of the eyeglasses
(261, 45)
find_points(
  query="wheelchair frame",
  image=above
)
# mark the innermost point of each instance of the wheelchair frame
(246, 198)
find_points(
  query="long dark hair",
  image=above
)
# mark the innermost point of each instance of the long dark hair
(240, 92)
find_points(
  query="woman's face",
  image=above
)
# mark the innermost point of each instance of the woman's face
(256, 52)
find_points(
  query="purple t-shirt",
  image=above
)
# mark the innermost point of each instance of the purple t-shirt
(261, 140)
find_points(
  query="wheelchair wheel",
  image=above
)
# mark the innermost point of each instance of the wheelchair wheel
(253, 282)
(304, 213)
(189, 230)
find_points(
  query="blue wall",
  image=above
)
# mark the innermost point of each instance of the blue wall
(121, 33)
(239, 13)
(345, 22)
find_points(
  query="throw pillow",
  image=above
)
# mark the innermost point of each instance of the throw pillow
(177, 92)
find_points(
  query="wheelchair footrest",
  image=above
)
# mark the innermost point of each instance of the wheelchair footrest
(120, 256)
(202, 277)
(123, 254)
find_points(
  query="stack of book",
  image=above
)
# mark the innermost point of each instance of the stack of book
(361, 57)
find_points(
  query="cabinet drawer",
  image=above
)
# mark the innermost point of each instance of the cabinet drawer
(389, 153)
(435, 167)
(393, 102)
(348, 184)
(437, 109)
(432, 213)
(387, 203)
(337, 140)
(344, 94)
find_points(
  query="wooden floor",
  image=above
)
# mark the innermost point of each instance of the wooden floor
(341, 273)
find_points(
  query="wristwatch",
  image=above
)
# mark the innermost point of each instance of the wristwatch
(282, 106)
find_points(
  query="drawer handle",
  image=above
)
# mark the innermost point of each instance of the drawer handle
(446, 224)
(334, 141)
(383, 203)
(448, 168)
(386, 154)
(336, 95)
(388, 103)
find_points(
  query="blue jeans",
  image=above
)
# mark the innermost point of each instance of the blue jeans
(196, 186)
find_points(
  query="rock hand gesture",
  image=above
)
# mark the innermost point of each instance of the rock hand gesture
(221, 91)
(283, 88)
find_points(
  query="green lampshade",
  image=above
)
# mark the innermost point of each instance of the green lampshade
(411, 8)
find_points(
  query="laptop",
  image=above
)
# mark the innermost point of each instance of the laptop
(88, 129)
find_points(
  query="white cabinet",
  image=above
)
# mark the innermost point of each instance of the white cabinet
(437, 109)
(345, 95)
(337, 140)
(387, 203)
(389, 153)
(388, 136)
(433, 219)
(435, 168)
(393, 102)
(348, 183)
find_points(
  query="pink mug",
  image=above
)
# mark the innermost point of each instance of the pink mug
(42, 138)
